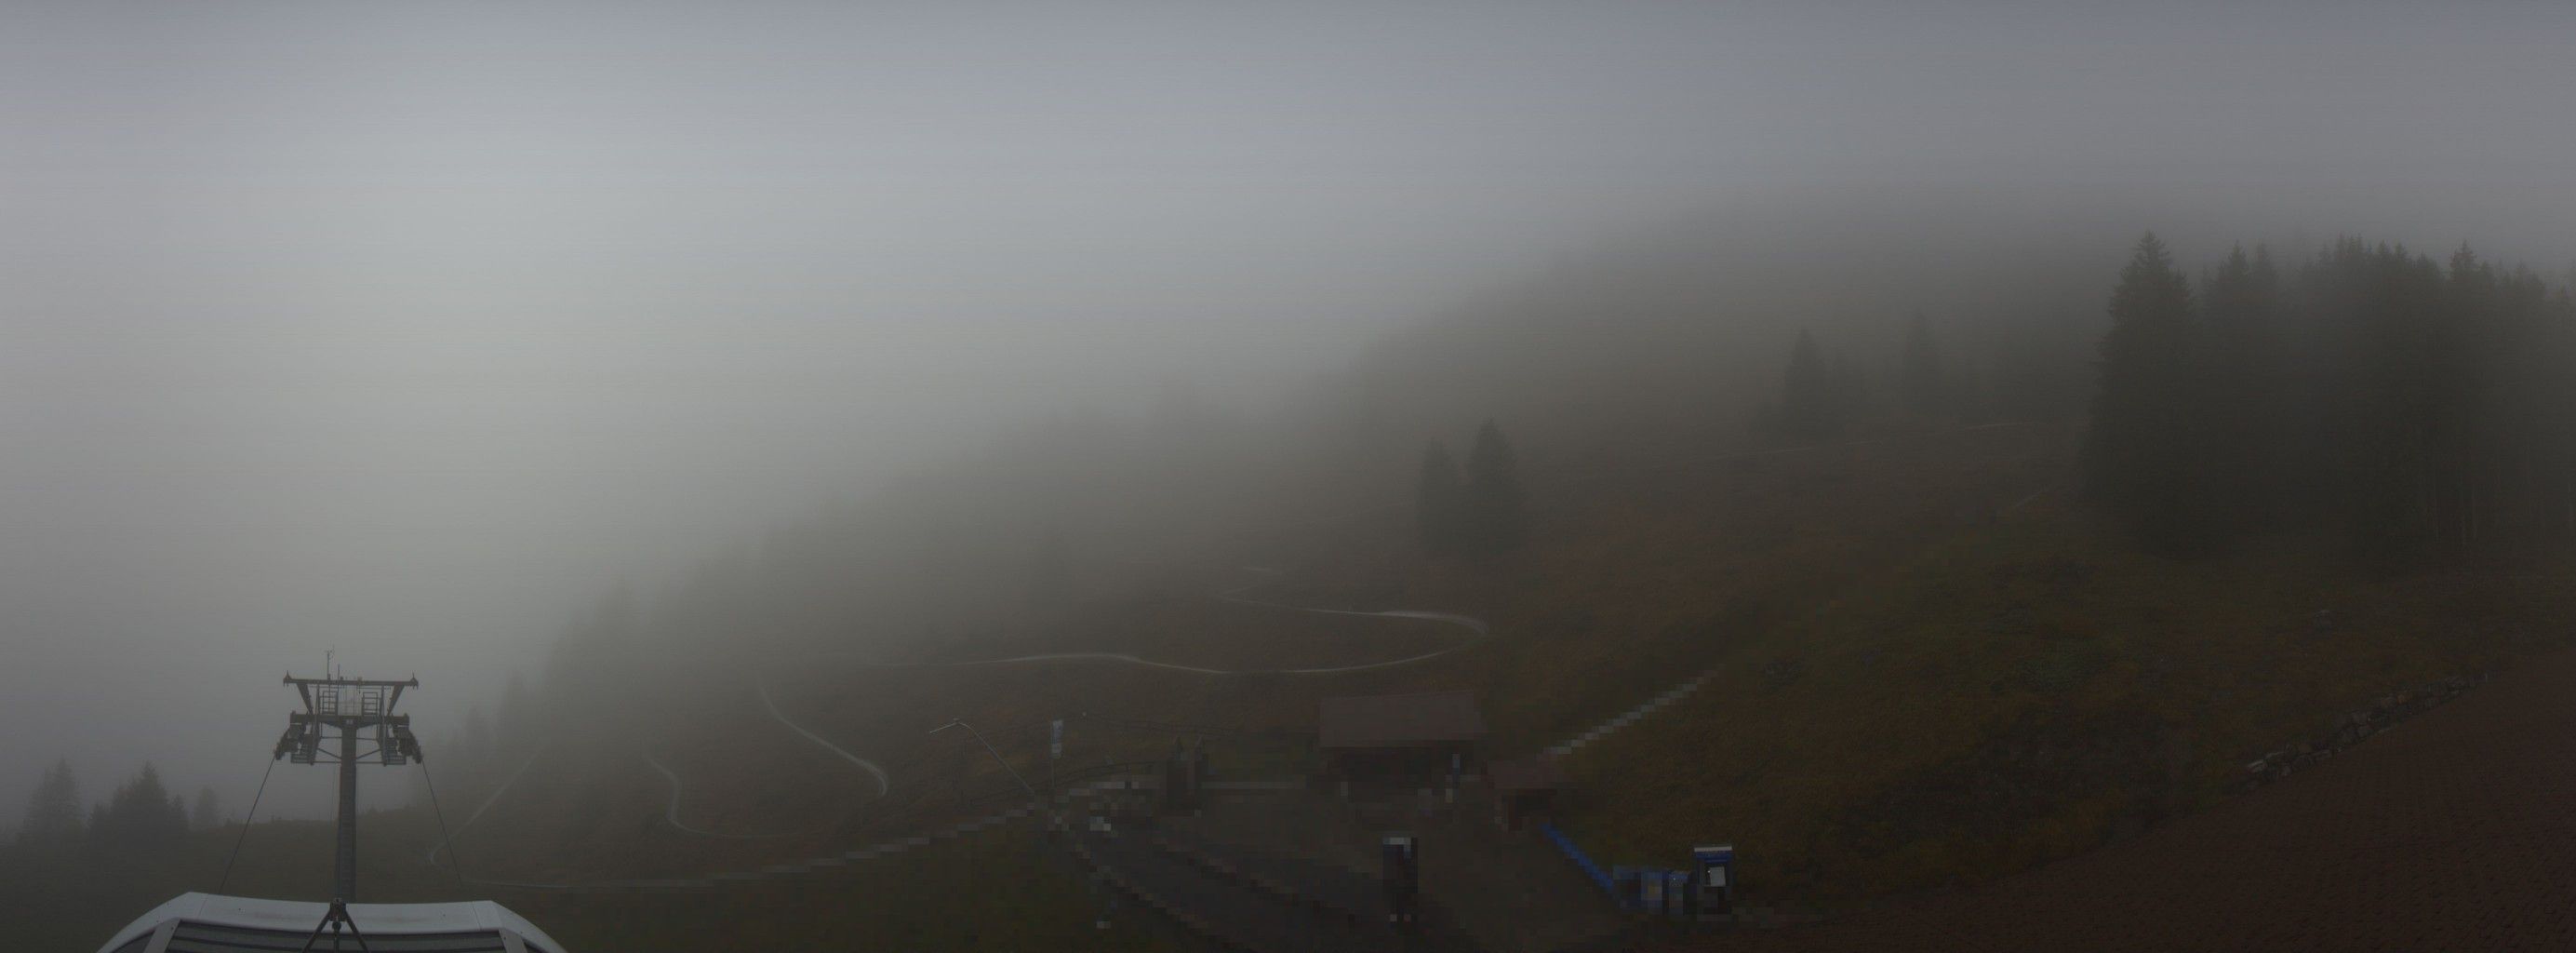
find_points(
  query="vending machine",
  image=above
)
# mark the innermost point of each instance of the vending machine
(1401, 864)
(1713, 879)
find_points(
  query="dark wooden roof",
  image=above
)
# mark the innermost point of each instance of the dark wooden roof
(1527, 774)
(1398, 721)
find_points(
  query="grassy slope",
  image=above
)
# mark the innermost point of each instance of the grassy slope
(1913, 687)
(1636, 578)
(2025, 690)
(1923, 674)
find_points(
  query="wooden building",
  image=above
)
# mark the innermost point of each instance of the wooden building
(1412, 740)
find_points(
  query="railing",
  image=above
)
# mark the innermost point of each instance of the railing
(1583, 862)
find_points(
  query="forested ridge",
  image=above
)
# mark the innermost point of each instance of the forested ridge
(2418, 407)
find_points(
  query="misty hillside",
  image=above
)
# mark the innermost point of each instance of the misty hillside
(1937, 579)
(1440, 478)
(1919, 586)
(1655, 350)
(1940, 564)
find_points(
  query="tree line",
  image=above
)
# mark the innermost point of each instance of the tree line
(1474, 510)
(1478, 507)
(140, 813)
(2416, 407)
(1823, 395)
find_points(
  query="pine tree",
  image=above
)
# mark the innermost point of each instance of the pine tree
(53, 812)
(2144, 456)
(2419, 407)
(1439, 502)
(1847, 391)
(209, 811)
(1494, 519)
(476, 756)
(1050, 573)
(2387, 397)
(2249, 389)
(1925, 391)
(1807, 399)
(141, 814)
(518, 706)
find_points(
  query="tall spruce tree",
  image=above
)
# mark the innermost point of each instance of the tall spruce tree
(476, 756)
(1809, 406)
(1439, 502)
(2386, 401)
(141, 814)
(1049, 583)
(518, 707)
(53, 811)
(2249, 390)
(2144, 456)
(208, 811)
(1494, 520)
(1925, 392)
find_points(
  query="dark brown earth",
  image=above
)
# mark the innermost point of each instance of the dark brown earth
(2454, 830)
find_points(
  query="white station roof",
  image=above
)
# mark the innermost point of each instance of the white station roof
(372, 919)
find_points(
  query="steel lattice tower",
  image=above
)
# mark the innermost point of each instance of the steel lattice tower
(356, 709)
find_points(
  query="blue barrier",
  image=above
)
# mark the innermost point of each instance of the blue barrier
(1584, 863)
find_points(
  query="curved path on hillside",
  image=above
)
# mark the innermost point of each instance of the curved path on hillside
(1478, 630)
(671, 812)
(883, 783)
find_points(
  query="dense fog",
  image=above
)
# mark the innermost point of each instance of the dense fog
(415, 336)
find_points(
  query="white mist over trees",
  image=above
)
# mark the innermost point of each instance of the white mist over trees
(53, 809)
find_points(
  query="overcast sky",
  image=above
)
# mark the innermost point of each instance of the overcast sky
(405, 329)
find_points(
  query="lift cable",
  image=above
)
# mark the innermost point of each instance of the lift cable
(247, 820)
(455, 860)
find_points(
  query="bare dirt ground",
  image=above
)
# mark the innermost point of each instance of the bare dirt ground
(2451, 831)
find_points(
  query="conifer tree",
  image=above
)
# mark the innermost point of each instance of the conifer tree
(476, 757)
(2143, 456)
(1050, 573)
(141, 814)
(208, 813)
(518, 709)
(1924, 390)
(1439, 502)
(1494, 519)
(2249, 389)
(53, 811)
(1807, 400)
(2389, 395)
